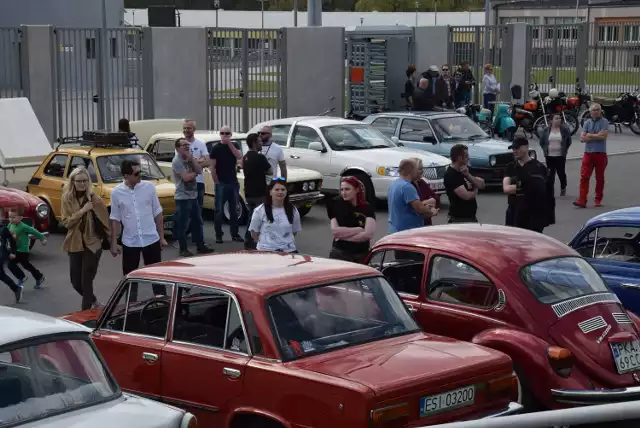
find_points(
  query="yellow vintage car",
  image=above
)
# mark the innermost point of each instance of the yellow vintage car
(103, 164)
(304, 184)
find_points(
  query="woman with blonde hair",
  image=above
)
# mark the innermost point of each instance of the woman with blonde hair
(85, 216)
(490, 88)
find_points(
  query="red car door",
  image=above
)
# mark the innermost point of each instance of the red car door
(460, 300)
(132, 333)
(204, 361)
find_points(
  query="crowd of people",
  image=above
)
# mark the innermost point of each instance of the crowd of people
(135, 227)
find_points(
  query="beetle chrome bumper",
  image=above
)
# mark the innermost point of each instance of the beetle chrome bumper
(512, 409)
(302, 198)
(595, 396)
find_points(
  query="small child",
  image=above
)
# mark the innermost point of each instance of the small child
(8, 252)
(21, 232)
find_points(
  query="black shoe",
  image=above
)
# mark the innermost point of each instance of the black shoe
(205, 250)
(219, 240)
(186, 253)
(563, 191)
(237, 238)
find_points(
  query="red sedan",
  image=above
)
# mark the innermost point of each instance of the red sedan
(253, 339)
(525, 294)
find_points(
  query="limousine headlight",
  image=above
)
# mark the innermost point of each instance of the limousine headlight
(312, 185)
(389, 171)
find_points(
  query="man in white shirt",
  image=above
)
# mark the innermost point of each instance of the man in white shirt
(135, 206)
(200, 154)
(274, 154)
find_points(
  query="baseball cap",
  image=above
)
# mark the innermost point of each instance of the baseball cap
(519, 142)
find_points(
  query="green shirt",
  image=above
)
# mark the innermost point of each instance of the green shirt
(22, 232)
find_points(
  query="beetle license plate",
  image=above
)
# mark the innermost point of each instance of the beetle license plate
(455, 399)
(626, 355)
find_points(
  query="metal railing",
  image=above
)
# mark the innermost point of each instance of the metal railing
(93, 88)
(628, 412)
(10, 63)
(245, 77)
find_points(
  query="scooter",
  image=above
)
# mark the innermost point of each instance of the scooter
(479, 115)
(503, 124)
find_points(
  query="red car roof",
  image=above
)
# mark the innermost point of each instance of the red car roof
(263, 273)
(516, 245)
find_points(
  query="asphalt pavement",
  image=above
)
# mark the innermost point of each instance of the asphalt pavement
(622, 190)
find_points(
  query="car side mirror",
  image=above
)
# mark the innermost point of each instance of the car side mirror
(317, 146)
(395, 140)
(430, 139)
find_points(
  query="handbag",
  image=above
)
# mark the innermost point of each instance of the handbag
(106, 245)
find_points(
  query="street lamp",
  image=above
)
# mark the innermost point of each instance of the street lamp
(435, 6)
(262, 35)
(216, 7)
(417, 6)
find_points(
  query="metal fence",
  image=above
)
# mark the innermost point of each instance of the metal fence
(245, 77)
(98, 78)
(468, 44)
(10, 63)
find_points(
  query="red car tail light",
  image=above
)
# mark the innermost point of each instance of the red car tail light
(561, 360)
(379, 417)
(502, 387)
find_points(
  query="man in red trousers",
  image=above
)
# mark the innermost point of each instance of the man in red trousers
(594, 137)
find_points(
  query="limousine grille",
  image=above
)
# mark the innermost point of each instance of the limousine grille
(434, 173)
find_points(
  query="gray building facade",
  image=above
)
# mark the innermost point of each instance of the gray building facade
(60, 13)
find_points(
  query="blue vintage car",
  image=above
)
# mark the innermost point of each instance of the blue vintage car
(437, 132)
(611, 243)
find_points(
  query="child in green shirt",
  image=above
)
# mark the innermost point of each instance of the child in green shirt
(21, 232)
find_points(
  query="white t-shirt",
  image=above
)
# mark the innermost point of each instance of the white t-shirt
(136, 209)
(276, 236)
(274, 154)
(198, 149)
(555, 143)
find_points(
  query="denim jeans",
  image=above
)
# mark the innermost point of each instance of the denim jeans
(201, 203)
(188, 210)
(252, 203)
(226, 192)
(467, 97)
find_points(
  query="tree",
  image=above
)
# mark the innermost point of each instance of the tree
(407, 5)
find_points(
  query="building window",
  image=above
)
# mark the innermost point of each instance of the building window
(91, 48)
(631, 33)
(608, 33)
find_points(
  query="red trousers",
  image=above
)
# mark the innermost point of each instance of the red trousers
(591, 161)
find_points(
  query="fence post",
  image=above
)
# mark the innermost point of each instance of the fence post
(38, 68)
(554, 57)
(245, 78)
(517, 59)
(478, 62)
(282, 75)
(582, 53)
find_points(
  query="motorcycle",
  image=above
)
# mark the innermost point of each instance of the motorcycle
(580, 102)
(623, 110)
(503, 123)
(522, 114)
(479, 115)
(553, 103)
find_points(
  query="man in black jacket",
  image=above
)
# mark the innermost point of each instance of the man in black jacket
(8, 252)
(526, 181)
(422, 101)
(467, 81)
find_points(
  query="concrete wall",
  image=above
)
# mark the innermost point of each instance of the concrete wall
(63, 13)
(311, 84)
(175, 74)
(38, 75)
(632, 13)
(432, 47)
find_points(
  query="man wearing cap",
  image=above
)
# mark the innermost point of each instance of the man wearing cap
(526, 182)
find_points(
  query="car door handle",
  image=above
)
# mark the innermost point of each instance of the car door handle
(630, 285)
(411, 309)
(294, 157)
(148, 356)
(232, 373)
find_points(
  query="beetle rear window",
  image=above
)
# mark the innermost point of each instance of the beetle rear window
(554, 280)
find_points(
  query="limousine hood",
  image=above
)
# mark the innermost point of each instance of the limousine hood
(410, 363)
(124, 412)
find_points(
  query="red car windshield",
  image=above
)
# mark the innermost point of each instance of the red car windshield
(553, 280)
(320, 319)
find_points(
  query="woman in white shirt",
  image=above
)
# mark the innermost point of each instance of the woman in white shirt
(275, 223)
(555, 142)
(490, 87)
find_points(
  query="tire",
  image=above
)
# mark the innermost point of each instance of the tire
(53, 223)
(539, 125)
(525, 396)
(583, 117)
(304, 210)
(241, 210)
(635, 125)
(572, 121)
(368, 188)
(486, 127)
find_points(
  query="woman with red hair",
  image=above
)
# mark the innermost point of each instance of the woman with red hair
(353, 222)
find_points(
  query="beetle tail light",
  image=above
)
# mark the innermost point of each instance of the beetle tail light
(561, 360)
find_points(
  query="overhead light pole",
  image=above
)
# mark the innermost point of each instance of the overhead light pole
(417, 5)
(216, 7)
(295, 13)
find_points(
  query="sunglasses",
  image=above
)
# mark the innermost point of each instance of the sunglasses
(135, 174)
(265, 133)
(445, 69)
(225, 133)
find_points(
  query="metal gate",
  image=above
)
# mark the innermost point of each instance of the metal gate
(468, 44)
(245, 77)
(377, 58)
(10, 63)
(98, 78)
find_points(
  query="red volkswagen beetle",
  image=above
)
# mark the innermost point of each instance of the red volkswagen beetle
(35, 211)
(524, 294)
